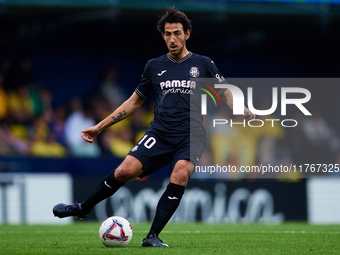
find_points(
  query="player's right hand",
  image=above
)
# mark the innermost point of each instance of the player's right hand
(90, 133)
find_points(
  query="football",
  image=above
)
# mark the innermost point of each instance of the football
(115, 231)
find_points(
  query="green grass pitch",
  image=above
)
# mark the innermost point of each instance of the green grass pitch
(193, 238)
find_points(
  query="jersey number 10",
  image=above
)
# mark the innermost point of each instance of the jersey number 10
(149, 142)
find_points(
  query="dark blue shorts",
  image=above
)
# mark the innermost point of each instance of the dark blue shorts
(155, 151)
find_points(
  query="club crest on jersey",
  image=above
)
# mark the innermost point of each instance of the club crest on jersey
(194, 72)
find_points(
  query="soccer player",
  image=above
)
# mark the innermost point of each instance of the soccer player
(167, 140)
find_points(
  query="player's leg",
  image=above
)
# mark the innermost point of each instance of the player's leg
(192, 148)
(129, 169)
(182, 171)
(169, 201)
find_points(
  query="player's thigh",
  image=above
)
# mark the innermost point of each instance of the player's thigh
(153, 151)
(129, 169)
(190, 148)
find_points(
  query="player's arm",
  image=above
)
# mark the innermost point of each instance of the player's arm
(227, 97)
(123, 111)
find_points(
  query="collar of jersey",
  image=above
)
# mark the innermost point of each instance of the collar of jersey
(181, 60)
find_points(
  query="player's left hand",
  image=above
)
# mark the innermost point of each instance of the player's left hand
(248, 115)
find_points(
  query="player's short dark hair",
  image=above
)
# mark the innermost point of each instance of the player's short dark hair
(173, 15)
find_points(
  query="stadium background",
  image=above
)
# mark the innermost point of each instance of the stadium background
(60, 60)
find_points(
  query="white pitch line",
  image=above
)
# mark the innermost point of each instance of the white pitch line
(188, 232)
(248, 232)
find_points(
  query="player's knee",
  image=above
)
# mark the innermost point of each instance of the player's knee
(125, 174)
(180, 174)
(129, 169)
(180, 178)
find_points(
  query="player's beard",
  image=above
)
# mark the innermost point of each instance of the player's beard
(176, 52)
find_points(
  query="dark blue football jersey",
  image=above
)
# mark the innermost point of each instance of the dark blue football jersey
(170, 79)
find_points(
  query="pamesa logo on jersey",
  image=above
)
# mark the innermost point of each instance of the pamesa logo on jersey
(178, 86)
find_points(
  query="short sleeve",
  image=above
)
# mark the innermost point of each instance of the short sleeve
(213, 72)
(145, 87)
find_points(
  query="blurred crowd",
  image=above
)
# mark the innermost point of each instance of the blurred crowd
(30, 125)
